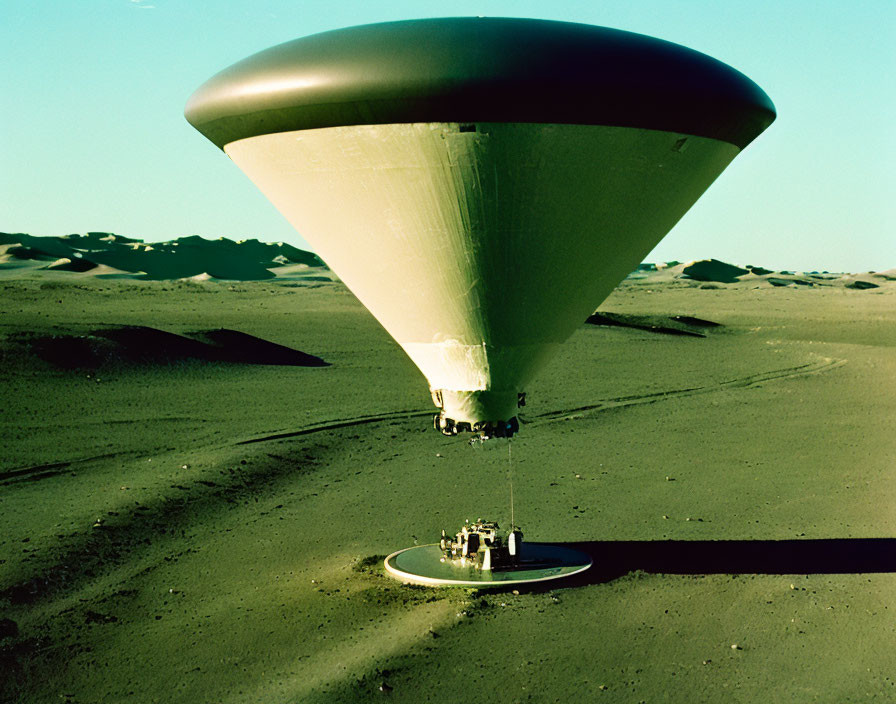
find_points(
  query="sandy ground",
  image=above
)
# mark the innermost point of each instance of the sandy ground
(193, 529)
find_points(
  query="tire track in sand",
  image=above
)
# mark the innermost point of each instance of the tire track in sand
(821, 365)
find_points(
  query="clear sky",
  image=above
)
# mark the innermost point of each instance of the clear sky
(92, 134)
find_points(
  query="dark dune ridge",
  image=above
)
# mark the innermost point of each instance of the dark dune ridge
(714, 270)
(862, 285)
(184, 257)
(138, 345)
(714, 274)
(685, 325)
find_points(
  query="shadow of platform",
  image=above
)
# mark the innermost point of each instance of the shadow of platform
(612, 559)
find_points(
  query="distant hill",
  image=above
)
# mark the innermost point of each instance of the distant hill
(184, 257)
(105, 254)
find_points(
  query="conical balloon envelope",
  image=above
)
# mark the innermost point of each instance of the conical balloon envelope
(479, 245)
(481, 248)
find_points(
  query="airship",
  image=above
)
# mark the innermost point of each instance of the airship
(481, 184)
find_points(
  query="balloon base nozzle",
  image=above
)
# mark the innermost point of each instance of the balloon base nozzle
(485, 429)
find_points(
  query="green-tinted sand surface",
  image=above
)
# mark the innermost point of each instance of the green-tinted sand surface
(188, 529)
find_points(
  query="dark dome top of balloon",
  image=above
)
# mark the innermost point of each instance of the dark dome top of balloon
(480, 70)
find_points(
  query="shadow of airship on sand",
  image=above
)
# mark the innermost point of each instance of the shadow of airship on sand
(615, 558)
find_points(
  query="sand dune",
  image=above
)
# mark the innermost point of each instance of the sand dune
(73, 264)
(861, 285)
(710, 273)
(235, 346)
(667, 325)
(106, 255)
(713, 270)
(184, 257)
(139, 345)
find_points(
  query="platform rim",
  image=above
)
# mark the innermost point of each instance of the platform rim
(410, 578)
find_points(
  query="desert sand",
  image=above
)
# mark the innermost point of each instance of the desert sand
(200, 476)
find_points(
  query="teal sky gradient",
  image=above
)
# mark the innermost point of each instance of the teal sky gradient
(92, 134)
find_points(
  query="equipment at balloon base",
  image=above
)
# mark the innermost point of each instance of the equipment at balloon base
(471, 411)
(480, 556)
(481, 545)
(486, 429)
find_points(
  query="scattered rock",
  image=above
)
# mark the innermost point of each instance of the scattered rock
(861, 285)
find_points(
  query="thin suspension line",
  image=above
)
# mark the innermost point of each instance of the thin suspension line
(510, 477)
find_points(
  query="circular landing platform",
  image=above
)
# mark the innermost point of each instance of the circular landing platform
(539, 562)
